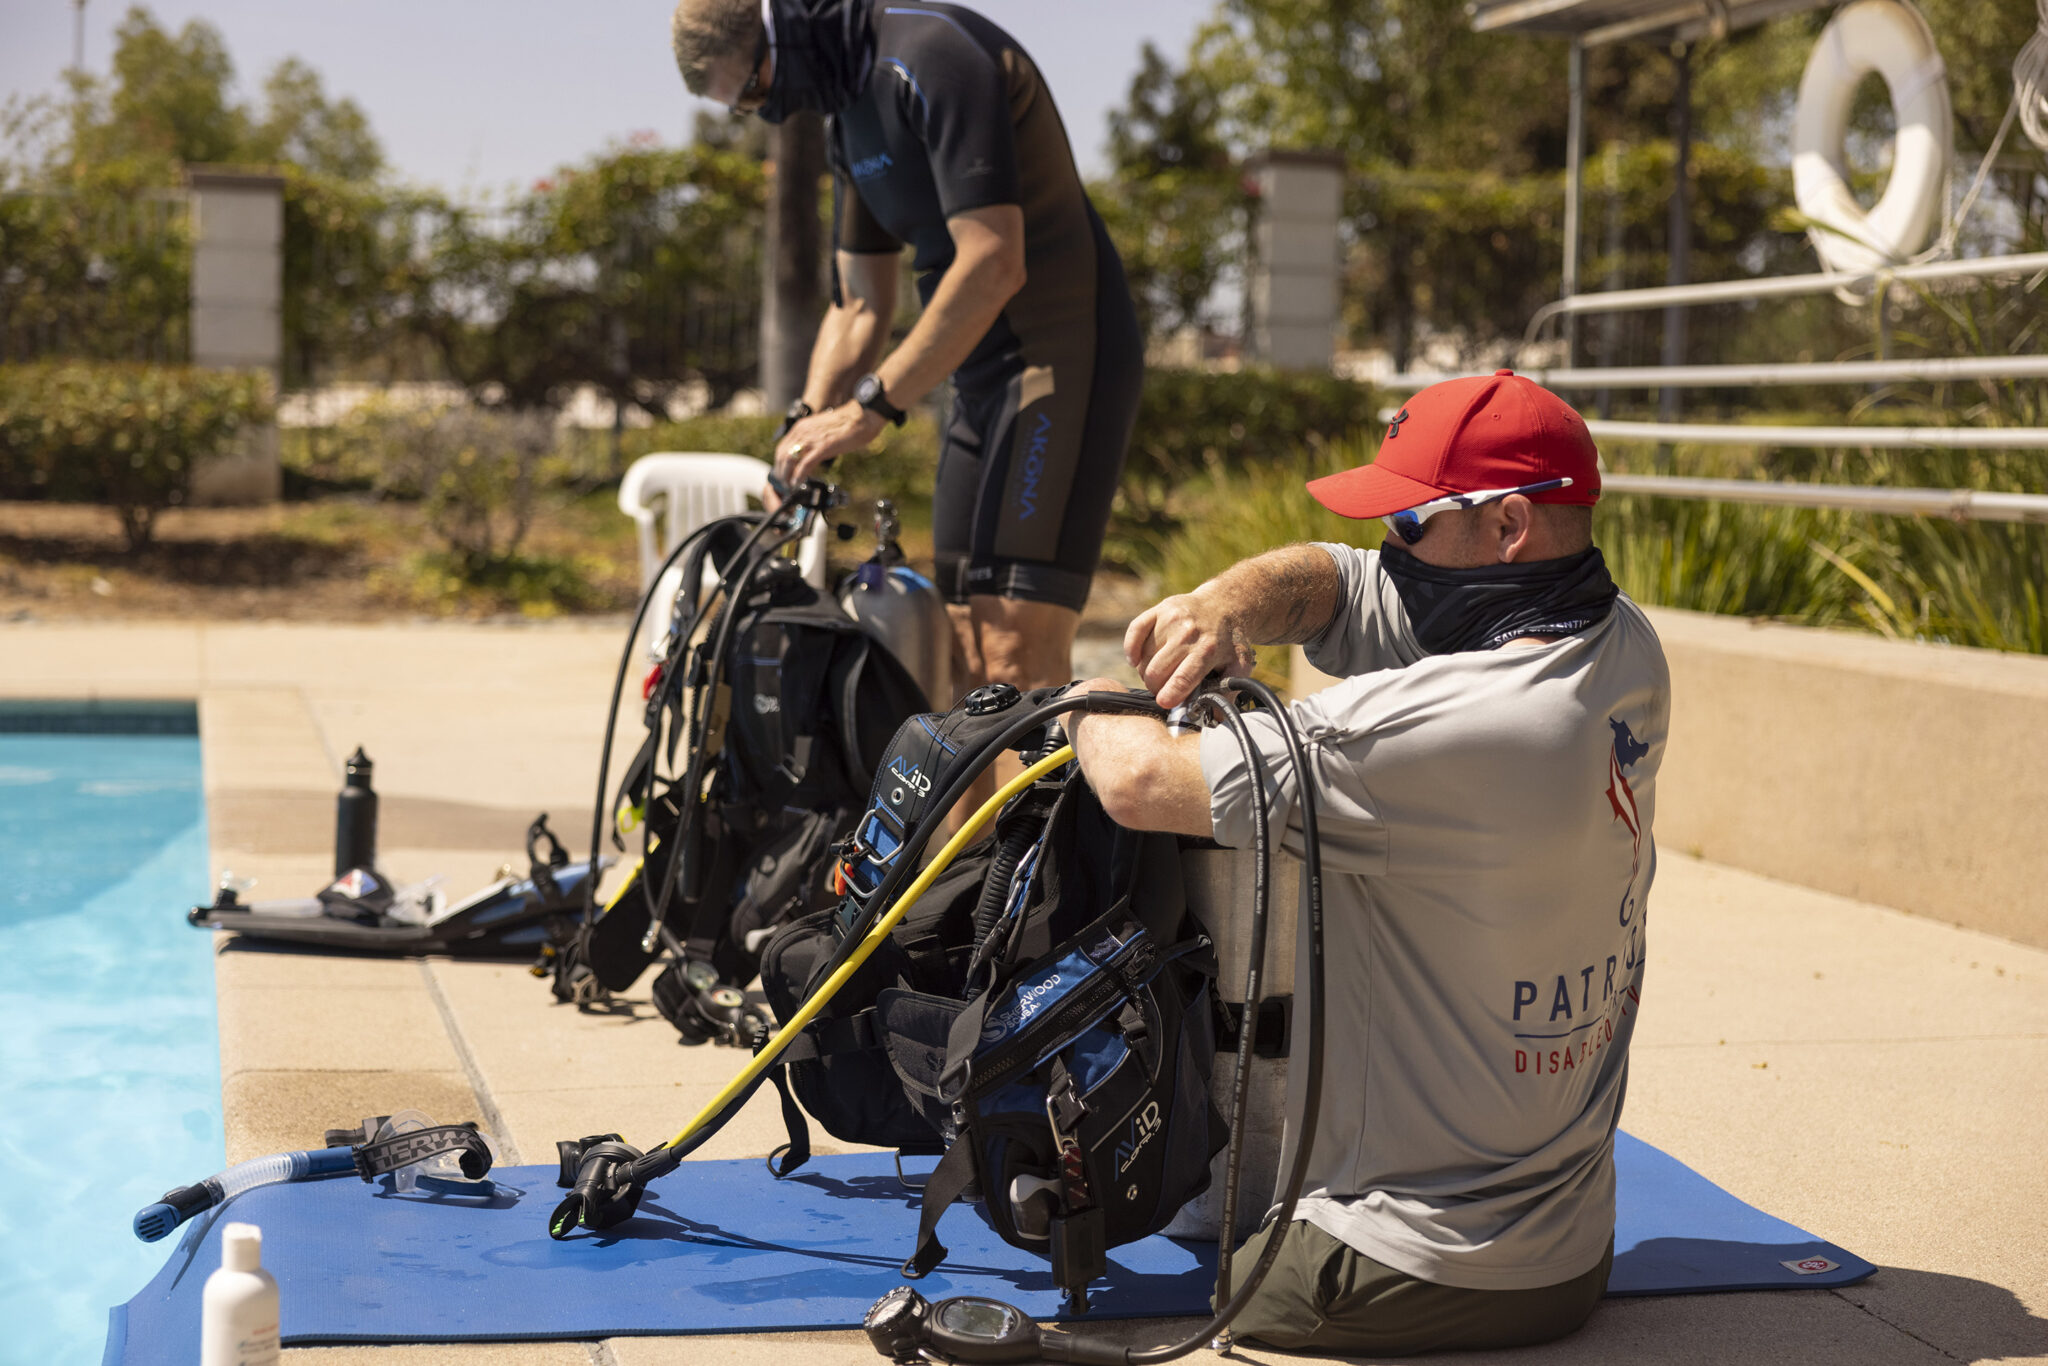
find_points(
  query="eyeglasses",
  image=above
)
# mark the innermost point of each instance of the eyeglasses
(750, 93)
(1409, 524)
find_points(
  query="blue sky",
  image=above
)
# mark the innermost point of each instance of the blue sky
(478, 95)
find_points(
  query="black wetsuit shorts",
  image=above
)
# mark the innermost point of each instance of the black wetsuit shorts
(955, 117)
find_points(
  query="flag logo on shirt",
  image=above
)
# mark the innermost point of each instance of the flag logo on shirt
(1625, 753)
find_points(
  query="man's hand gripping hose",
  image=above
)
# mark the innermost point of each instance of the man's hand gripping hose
(607, 1177)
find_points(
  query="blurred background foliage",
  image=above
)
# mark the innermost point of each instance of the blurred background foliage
(119, 432)
(634, 275)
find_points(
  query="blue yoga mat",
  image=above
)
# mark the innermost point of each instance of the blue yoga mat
(721, 1247)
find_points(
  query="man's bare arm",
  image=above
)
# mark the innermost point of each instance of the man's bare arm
(1283, 597)
(986, 272)
(1145, 777)
(854, 330)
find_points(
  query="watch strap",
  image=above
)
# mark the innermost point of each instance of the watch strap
(877, 399)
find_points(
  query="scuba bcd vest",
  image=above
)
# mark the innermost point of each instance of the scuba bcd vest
(1042, 1015)
(781, 705)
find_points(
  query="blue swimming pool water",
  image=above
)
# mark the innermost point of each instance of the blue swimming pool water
(109, 1054)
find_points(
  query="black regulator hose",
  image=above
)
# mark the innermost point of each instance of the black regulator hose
(611, 715)
(995, 891)
(812, 497)
(1248, 1010)
(1070, 1347)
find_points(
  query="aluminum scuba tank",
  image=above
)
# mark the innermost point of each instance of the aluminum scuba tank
(355, 817)
(903, 610)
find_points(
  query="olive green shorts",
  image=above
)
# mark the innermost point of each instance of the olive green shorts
(1323, 1295)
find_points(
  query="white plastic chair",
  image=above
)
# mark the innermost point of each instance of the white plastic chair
(669, 494)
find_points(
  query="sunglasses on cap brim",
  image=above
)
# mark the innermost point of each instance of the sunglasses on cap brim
(1409, 524)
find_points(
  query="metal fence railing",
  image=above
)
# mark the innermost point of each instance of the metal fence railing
(1960, 504)
(1782, 286)
(1758, 376)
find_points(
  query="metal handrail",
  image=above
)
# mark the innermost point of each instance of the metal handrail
(1752, 376)
(1873, 438)
(1779, 286)
(1869, 438)
(1962, 505)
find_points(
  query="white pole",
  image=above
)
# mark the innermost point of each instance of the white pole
(1780, 286)
(1574, 186)
(1875, 438)
(1962, 505)
(1756, 376)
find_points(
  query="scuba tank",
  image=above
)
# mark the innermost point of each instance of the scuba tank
(903, 609)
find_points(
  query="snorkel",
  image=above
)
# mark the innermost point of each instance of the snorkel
(406, 1145)
(186, 1202)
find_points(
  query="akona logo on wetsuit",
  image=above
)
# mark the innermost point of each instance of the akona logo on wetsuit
(1034, 466)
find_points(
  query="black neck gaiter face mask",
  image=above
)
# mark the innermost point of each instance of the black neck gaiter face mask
(824, 50)
(1485, 608)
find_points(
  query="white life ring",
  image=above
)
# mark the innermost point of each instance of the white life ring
(1890, 38)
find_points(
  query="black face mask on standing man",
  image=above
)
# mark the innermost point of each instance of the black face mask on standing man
(824, 50)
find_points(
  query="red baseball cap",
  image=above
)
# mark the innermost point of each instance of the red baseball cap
(1466, 435)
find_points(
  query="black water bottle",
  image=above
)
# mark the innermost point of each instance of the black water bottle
(355, 817)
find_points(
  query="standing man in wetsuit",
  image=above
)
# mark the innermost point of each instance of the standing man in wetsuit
(944, 137)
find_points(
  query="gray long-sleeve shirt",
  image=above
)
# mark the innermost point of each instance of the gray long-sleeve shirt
(1485, 831)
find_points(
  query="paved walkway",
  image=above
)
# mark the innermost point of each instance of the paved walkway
(1879, 1079)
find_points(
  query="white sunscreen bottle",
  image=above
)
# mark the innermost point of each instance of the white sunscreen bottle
(238, 1311)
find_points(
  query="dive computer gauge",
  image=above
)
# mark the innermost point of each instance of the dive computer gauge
(905, 1326)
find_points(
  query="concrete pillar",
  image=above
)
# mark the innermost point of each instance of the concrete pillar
(1296, 280)
(237, 313)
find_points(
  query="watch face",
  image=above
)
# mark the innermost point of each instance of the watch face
(867, 391)
(971, 1316)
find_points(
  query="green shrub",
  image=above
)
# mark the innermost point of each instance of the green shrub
(126, 435)
(1194, 424)
(472, 470)
(533, 585)
(475, 472)
(1233, 514)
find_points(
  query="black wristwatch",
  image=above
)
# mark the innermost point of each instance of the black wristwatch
(870, 395)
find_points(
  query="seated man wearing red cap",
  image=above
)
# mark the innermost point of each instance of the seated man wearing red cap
(1485, 774)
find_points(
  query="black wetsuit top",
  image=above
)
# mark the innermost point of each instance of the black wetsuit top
(954, 117)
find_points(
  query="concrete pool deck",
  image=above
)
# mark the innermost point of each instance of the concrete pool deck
(1878, 1078)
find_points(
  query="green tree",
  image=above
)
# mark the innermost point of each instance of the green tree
(168, 102)
(1417, 103)
(1173, 203)
(301, 127)
(1456, 145)
(636, 271)
(94, 250)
